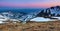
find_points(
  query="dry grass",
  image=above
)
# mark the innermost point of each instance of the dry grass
(31, 26)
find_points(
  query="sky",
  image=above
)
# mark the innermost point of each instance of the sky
(29, 3)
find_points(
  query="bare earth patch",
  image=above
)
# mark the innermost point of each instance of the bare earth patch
(31, 26)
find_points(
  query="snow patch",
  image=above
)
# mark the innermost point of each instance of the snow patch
(41, 19)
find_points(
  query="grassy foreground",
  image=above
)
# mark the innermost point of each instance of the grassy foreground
(31, 26)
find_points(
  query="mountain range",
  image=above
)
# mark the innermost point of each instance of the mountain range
(23, 16)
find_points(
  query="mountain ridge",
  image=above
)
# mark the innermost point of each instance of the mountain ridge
(49, 12)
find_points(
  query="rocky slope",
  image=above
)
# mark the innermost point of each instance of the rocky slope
(52, 11)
